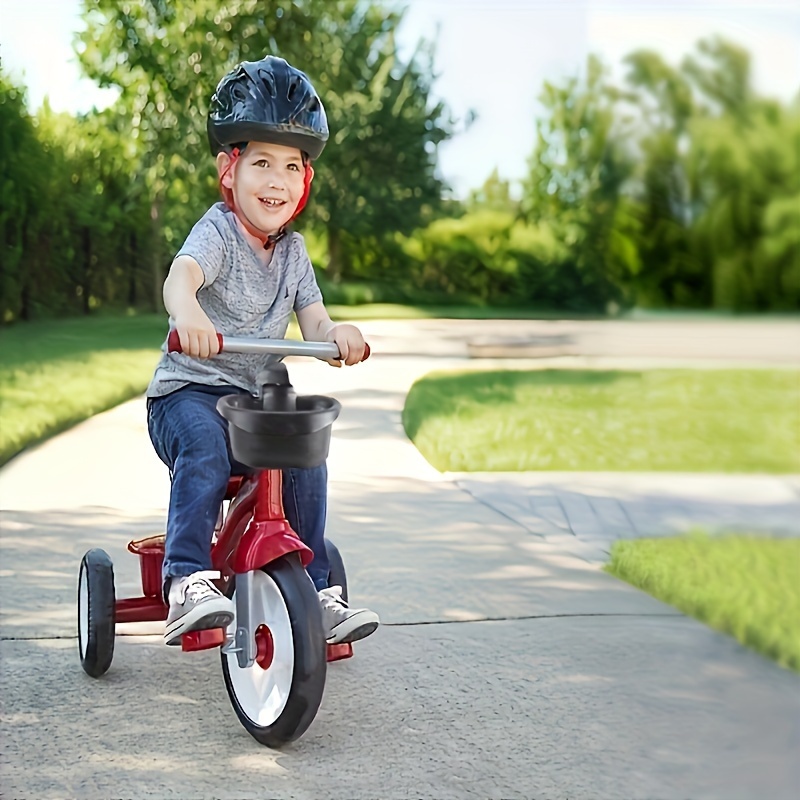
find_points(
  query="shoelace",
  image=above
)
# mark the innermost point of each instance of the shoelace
(199, 586)
(332, 597)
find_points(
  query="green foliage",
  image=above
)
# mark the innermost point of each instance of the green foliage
(56, 373)
(594, 420)
(719, 188)
(72, 213)
(678, 188)
(745, 586)
(574, 185)
(747, 174)
(21, 183)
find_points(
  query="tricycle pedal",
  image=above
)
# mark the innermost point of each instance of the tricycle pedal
(202, 640)
(338, 652)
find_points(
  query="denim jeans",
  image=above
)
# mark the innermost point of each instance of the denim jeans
(191, 438)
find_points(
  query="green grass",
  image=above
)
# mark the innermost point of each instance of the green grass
(744, 586)
(593, 420)
(56, 373)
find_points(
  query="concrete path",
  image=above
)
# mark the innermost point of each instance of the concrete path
(508, 666)
(586, 512)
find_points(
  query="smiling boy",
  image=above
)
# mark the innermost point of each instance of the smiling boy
(242, 272)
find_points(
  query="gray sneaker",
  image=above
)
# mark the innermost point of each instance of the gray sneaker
(196, 605)
(345, 624)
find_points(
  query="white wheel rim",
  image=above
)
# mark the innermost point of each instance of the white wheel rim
(262, 693)
(83, 611)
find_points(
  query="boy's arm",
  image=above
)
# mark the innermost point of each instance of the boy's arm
(317, 326)
(195, 329)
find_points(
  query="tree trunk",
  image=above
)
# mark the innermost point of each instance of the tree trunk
(133, 261)
(334, 255)
(24, 276)
(87, 269)
(157, 267)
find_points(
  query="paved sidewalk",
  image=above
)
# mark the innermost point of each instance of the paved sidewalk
(509, 665)
(587, 512)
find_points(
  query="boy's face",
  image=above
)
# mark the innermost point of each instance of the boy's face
(267, 183)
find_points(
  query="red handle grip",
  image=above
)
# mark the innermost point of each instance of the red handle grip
(174, 342)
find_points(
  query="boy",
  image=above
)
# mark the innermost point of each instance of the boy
(242, 273)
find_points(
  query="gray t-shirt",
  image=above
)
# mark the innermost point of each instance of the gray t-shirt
(242, 297)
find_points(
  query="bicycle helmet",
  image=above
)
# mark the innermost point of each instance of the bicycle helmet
(267, 101)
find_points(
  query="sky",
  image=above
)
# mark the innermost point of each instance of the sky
(492, 58)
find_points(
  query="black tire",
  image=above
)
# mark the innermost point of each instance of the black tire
(96, 615)
(337, 576)
(276, 705)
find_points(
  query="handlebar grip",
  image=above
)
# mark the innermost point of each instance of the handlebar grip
(367, 351)
(174, 342)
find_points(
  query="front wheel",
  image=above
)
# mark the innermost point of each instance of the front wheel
(96, 612)
(278, 696)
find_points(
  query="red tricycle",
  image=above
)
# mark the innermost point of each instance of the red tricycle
(274, 653)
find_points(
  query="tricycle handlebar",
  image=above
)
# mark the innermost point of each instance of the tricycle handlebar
(278, 347)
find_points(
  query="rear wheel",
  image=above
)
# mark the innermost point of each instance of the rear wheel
(96, 612)
(277, 697)
(337, 575)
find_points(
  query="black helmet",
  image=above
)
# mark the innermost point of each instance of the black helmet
(267, 101)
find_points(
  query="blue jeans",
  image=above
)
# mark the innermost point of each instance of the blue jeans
(191, 438)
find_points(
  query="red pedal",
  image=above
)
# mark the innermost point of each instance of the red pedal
(202, 640)
(337, 652)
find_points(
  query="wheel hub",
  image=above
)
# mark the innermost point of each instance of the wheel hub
(265, 647)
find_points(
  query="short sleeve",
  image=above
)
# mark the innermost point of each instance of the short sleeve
(206, 246)
(308, 291)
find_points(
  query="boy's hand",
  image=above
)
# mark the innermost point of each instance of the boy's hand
(197, 334)
(350, 342)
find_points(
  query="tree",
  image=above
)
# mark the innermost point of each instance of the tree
(574, 186)
(662, 96)
(379, 170)
(20, 184)
(744, 168)
(495, 194)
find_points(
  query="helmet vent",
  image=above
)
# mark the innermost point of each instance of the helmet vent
(293, 86)
(268, 80)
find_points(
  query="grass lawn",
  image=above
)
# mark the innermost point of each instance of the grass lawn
(56, 373)
(744, 586)
(59, 372)
(593, 420)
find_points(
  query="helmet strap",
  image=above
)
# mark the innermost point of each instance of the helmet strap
(269, 240)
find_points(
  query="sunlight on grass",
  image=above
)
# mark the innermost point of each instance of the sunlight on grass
(744, 586)
(593, 420)
(54, 374)
(39, 401)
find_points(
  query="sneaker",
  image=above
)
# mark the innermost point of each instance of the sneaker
(345, 624)
(195, 604)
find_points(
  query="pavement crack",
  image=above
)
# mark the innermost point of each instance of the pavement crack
(521, 618)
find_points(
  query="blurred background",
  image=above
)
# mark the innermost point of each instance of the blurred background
(571, 157)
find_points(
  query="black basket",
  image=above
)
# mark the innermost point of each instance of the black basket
(279, 439)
